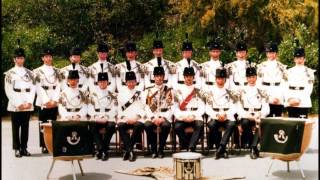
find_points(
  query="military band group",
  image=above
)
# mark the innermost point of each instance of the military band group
(160, 96)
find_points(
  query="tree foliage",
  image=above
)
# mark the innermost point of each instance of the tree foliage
(62, 24)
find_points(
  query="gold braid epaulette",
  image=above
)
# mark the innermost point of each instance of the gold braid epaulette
(113, 97)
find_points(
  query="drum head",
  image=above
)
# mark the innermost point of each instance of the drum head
(187, 155)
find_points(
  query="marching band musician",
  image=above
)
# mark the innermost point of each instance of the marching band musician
(273, 75)
(237, 68)
(103, 110)
(299, 86)
(209, 67)
(73, 102)
(178, 78)
(135, 66)
(131, 114)
(20, 90)
(159, 99)
(169, 67)
(48, 89)
(220, 109)
(189, 110)
(83, 72)
(253, 107)
(94, 69)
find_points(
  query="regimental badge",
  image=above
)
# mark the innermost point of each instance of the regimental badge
(281, 137)
(74, 139)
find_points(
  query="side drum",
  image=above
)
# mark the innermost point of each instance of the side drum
(187, 165)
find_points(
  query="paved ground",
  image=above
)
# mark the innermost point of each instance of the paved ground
(37, 166)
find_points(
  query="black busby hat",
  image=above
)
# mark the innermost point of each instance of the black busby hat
(251, 70)
(131, 46)
(272, 47)
(188, 71)
(102, 76)
(19, 52)
(158, 70)
(47, 51)
(214, 45)
(102, 47)
(241, 46)
(157, 44)
(73, 74)
(187, 45)
(299, 52)
(75, 51)
(130, 75)
(221, 73)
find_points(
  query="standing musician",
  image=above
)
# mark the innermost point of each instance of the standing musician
(253, 107)
(273, 75)
(73, 101)
(159, 99)
(135, 66)
(220, 109)
(178, 78)
(131, 114)
(95, 69)
(103, 110)
(209, 67)
(20, 90)
(83, 72)
(299, 86)
(189, 111)
(48, 89)
(169, 67)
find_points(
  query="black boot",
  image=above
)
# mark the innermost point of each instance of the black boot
(98, 155)
(254, 154)
(44, 150)
(126, 156)
(105, 156)
(161, 154)
(221, 152)
(132, 156)
(24, 152)
(17, 153)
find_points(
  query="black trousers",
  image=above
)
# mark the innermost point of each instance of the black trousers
(185, 142)
(248, 137)
(297, 112)
(45, 115)
(20, 129)
(151, 128)
(103, 140)
(215, 135)
(275, 110)
(130, 141)
(236, 133)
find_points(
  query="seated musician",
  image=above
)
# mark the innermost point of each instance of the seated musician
(220, 109)
(131, 115)
(189, 111)
(254, 106)
(159, 99)
(72, 101)
(102, 109)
